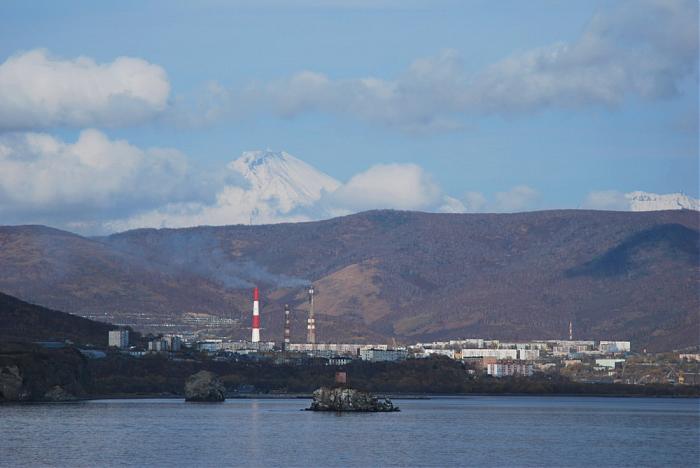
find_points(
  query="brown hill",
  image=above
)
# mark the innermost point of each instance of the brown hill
(21, 321)
(384, 274)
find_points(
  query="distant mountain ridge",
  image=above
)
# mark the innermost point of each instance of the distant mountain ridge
(383, 274)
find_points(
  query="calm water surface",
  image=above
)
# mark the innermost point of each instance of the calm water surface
(475, 431)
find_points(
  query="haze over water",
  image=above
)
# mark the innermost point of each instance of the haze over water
(478, 430)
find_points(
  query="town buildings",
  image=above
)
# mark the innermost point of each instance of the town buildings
(118, 339)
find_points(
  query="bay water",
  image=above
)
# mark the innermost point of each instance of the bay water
(443, 431)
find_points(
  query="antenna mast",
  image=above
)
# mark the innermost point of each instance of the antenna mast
(311, 322)
(287, 332)
(571, 331)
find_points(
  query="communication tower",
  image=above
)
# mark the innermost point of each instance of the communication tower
(571, 331)
(287, 332)
(311, 322)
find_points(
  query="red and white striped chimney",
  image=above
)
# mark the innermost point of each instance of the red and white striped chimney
(256, 316)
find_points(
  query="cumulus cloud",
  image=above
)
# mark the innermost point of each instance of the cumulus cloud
(606, 200)
(644, 48)
(45, 179)
(233, 205)
(640, 48)
(519, 198)
(423, 99)
(399, 186)
(474, 201)
(38, 90)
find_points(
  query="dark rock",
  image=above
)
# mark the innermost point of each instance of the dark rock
(348, 399)
(11, 384)
(58, 393)
(204, 386)
(31, 373)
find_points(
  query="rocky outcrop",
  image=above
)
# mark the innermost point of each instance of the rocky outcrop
(204, 386)
(30, 373)
(11, 388)
(348, 399)
(58, 393)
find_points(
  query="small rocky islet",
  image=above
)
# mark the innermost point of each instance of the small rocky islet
(204, 386)
(341, 399)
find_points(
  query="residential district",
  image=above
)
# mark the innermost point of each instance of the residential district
(585, 361)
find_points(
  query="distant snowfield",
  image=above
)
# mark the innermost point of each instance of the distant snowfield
(645, 201)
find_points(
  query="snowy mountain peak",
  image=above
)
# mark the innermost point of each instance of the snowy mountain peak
(645, 201)
(280, 177)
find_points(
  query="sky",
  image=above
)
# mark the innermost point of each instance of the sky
(113, 111)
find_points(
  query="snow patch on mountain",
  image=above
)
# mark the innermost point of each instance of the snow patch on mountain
(282, 179)
(645, 201)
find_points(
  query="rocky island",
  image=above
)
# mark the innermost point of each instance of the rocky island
(341, 399)
(204, 386)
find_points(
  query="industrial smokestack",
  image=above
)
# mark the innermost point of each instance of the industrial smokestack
(256, 316)
(311, 322)
(287, 331)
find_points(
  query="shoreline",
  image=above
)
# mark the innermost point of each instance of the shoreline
(431, 396)
(392, 396)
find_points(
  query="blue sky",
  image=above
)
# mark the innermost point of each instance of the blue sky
(608, 99)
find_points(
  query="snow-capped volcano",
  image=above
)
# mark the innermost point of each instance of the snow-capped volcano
(645, 201)
(282, 179)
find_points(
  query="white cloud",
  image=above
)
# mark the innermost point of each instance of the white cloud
(474, 202)
(519, 198)
(44, 178)
(641, 48)
(38, 91)
(399, 186)
(451, 205)
(606, 200)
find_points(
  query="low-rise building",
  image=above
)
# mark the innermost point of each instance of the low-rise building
(375, 355)
(528, 354)
(334, 348)
(249, 346)
(508, 368)
(609, 363)
(210, 346)
(613, 347)
(497, 353)
(450, 353)
(339, 360)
